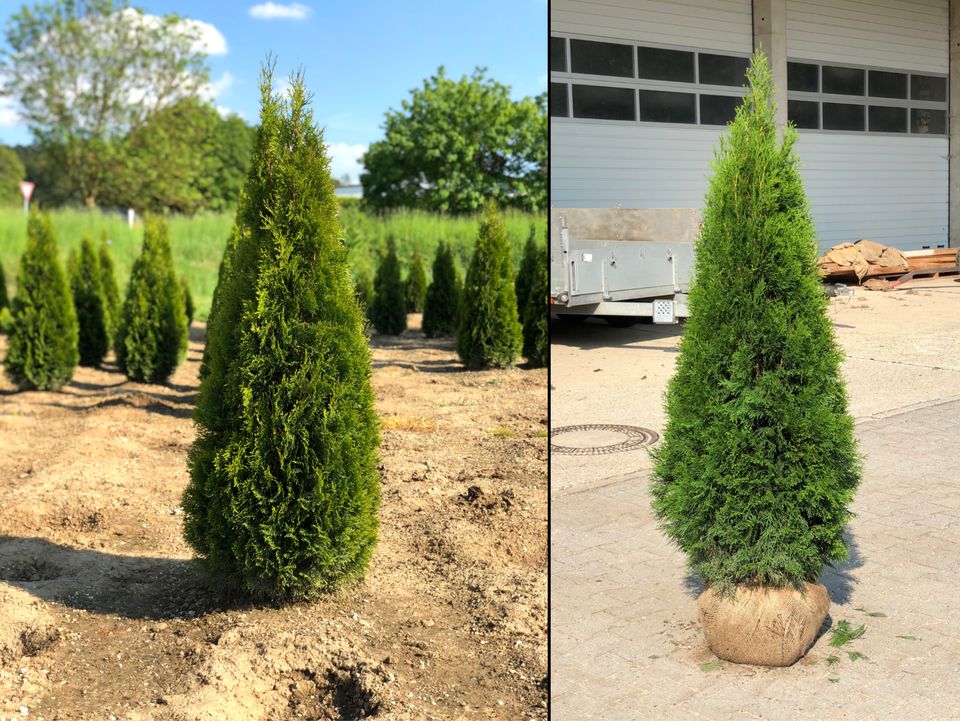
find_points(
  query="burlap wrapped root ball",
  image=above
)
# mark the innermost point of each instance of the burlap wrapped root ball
(762, 625)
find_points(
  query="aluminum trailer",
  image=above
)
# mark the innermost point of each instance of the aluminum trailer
(622, 264)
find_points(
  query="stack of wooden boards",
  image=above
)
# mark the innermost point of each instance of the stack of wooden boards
(868, 259)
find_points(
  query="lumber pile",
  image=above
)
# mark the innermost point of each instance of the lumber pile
(868, 259)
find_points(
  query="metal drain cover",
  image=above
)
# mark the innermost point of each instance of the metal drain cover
(599, 438)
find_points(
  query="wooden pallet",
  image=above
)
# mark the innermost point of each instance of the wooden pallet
(942, 260)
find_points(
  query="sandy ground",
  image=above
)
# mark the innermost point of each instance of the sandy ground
(618, 375)
(105, 616)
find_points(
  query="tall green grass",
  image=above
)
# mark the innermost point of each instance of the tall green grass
(198, 241)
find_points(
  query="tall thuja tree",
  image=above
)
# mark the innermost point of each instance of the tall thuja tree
(111, 292)
(86, 284)
(416, 283)
(284, 488)
(42, 347)
(389, 310)
(535, 317)
(151, 335)
(4, 298)
(528, 265)
(442, 304)
(188, 308)
(363, 289)
(758, 463)
(489, 334)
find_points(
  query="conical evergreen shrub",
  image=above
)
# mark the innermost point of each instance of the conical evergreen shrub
(86, 284)
(535, 316)
(416, 283)
(528, 265)
(42, 344)
(489, 334)
(4, 298)
(442, 304)
(284, 487)
(111, 293)
(389, 310)
(188, 308)
(363, 289)
(758, 463)
(152, 333)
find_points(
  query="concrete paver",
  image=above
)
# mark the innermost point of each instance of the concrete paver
(626, 643)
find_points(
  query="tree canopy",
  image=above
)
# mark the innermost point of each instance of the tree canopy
(11, 173)
(455, 144)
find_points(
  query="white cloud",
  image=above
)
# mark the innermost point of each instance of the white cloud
(219, 86)
(345, 160)
(9, 116)
(274, 11)
(209, 40)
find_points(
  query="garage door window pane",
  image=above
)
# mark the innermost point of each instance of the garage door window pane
(663, 107)
(888, 85)
(803, 77)
(558, 100)
(804, 114)
(722, 70)
(558, 55)
(841, 116)
(928, 122)
(927, 87)
(596, 58)
(843, 81)
(718, 109)
(888, 120)
(660, 64)
(590, 101)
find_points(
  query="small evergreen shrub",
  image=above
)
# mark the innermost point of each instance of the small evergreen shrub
(389, 311)
(363, 289)
(416, 283)
(86, 284)
(187, 299)
(758, 463)
(535, 317)
(152, 332)
(532, 257)
(111, 293)
(489, 334)
(442, 304)
(4, 298)
(284, 488)
(42, 347)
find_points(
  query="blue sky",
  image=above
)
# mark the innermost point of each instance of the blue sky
(360, 58)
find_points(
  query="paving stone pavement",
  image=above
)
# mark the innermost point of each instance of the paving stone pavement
(626, 643)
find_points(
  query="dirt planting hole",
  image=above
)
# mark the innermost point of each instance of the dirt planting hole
(342, 694)
(28, 570)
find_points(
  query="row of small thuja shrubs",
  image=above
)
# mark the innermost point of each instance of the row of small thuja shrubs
(494, 314)
(58, 320)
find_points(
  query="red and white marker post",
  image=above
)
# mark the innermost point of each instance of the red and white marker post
(26, 190)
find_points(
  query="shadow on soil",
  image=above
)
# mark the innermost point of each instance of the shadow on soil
(134, 587)
(595, 333)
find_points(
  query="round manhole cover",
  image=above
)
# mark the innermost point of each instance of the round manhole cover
(599, 438)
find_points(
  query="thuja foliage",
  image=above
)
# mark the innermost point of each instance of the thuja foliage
(528, 264)
(111, 293)
(188, 308)
(284, 488)
(42, 348)
(535, 316)
(152, 332)
(363, 289)
(489, 333)
(4, 298)
(442, 304)
(389, 310)
(86, 284)
(758, 463)
(416, 283)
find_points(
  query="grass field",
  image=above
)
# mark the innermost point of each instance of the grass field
(198, 240)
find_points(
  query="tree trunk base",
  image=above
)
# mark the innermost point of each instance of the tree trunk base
(761, 625)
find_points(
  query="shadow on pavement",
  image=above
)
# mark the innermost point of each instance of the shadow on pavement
(596, 333)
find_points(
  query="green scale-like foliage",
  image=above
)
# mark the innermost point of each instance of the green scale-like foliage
(151, 335)
(442, 305)
(111, 292)
(4, 298)
(42, 350)
(535, 317)
(284, 490)
(528, 267)
(363, 289)
(758, 463)
(416, 283)
(489, 334)
(188, 308)
(89, 300)
(389, 310)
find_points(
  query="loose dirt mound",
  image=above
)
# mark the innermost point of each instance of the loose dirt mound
(104, 614)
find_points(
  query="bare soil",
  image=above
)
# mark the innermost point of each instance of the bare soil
(103, 615)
